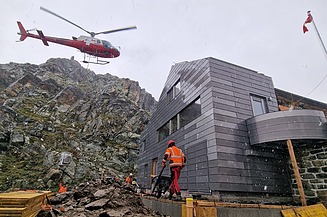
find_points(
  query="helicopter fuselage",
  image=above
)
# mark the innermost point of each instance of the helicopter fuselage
(89, 45)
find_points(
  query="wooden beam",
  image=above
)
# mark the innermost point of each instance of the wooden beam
(296, 172)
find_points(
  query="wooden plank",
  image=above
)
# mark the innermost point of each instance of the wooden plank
(235, 205)
(22, 203)
(184, 211)
(264, 206)
(296, 172)
(318, 210)
(249, 205)
(206, 211)
(204, 203)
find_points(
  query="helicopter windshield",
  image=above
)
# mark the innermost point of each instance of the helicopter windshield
(106, 44)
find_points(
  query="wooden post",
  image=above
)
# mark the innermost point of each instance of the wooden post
(296, 172)
(189, 207)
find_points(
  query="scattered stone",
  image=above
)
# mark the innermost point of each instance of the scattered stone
(100, 193)
(98, 204)
(94, 199)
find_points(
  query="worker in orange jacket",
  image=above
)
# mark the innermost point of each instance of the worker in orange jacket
(129, 179)
(177, 161)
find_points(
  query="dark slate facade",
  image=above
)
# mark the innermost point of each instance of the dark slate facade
(204, 107)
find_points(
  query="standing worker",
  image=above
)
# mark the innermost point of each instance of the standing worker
(129, 179)
(177, 161)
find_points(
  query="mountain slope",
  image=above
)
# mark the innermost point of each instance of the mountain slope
(61, 109)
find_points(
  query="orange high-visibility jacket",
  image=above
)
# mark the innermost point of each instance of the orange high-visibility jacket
(62, 188)
(175, 156)
(128, 180)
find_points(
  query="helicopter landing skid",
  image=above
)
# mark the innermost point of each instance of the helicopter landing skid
(98, 61)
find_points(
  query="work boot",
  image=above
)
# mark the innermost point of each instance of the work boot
(170, 196)
(179, 196)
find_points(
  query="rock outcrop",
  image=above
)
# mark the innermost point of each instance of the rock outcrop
(59, 106)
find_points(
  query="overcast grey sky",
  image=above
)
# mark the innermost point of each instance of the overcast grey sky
(263, 35)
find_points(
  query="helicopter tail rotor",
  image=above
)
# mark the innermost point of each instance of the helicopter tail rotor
(22, 33)
(31, 30)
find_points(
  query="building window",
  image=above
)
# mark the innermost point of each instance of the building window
(145, 171)
(154, 166)
(177, 88)
(190, 113)
(259, 105)
(174, 91)
(174, 124)
(163, 131)
(143, 145)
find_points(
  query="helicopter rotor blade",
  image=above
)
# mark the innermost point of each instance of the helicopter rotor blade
(50, 12)
(116, 30)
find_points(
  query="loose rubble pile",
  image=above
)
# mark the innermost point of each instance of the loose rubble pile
(109, 198)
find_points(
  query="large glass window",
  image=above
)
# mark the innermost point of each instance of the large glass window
(190, 113)
(259, 105)
(163, 132)
(174, 124)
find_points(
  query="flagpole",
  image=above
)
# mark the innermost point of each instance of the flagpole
(311, 20)
(320, 39)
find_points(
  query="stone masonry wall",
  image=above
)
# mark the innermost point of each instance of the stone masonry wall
(312, 162)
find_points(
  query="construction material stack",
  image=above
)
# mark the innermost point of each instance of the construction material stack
(22, 203)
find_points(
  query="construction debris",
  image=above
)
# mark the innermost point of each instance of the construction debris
(109, 198)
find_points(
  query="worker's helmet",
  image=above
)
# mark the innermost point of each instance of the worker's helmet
(171, 142)
(131, 174)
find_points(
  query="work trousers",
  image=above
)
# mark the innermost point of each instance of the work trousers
(175, 173)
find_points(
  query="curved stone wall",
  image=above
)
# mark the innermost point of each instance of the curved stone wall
(283, 125)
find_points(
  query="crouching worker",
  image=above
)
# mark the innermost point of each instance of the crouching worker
(177, 161)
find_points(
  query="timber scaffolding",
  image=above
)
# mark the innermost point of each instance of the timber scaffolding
(205, 208)
(22, 203)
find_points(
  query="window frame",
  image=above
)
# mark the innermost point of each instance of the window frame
(178, 119)
(174, 91)
(145, 170)
(257, 101)
(198, 99)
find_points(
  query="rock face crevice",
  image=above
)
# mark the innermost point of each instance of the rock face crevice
(59, 106)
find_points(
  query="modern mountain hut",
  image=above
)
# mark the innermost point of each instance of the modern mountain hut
(226, 119)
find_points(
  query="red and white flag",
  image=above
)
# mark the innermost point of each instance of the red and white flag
(308, 20)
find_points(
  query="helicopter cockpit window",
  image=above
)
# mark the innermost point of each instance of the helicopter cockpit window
(106, 44)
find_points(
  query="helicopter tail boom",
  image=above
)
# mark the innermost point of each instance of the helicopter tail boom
(23, 33)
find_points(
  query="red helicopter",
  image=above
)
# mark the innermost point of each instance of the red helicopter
(86, 44)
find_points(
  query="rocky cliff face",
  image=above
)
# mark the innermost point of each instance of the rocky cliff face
(59, 120)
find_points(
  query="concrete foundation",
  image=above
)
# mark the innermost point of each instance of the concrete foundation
(175, 209)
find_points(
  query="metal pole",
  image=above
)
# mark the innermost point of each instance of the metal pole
(320, 39)
(324, 50)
